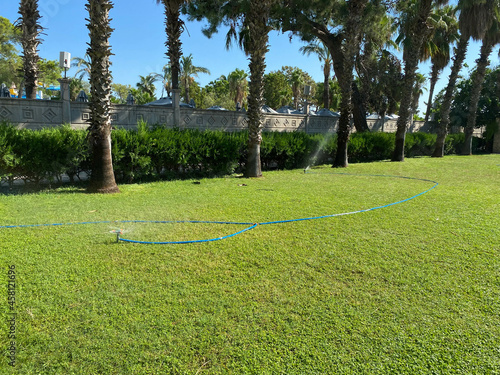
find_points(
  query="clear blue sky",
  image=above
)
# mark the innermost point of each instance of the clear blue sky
(138, 42)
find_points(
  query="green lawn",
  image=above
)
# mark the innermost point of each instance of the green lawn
(412, 288)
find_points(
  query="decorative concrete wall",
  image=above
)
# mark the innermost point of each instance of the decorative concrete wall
(36, 114)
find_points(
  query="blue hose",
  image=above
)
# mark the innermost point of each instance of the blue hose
(249, 227)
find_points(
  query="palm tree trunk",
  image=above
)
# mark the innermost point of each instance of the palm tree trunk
(477, 84)
(352, 35)
(173, 28)
(434, 78)
(419, 32)
(186, 90)
(256, 21)
(30, 29)
(442, 127)
(326, 86)
(102, 179)
(358, 110)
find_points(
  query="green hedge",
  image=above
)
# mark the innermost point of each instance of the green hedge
(157, 152)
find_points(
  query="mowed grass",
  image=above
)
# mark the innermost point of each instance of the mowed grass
(412, 288)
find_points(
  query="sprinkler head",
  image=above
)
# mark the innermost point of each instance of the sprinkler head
(117, 232)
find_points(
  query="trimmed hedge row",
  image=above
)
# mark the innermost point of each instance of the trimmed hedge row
(157, 152)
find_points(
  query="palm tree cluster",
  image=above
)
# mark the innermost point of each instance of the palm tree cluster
(348, 36)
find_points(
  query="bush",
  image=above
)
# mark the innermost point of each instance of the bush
(150, 153)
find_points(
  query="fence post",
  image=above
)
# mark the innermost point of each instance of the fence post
(65, 98)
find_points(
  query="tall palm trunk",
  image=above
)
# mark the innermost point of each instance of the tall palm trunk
(256, 22)
(326, 86)
(102, 178)
(477, 84)
(434, 78)
(358, 110)
(186, 90)
(442, 127)
(173, 28)
(352, 39)
(30, 29)
(419, 31)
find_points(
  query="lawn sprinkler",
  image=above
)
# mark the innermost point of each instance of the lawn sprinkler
(118, 232)
(306, 169)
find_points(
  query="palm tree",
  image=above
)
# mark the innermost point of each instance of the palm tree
(297, 82)
(188, 70)
(165, 78)
(248, 22)
(173, 27)
(82, 65)
(255, 39)
(147, 84)
(352, 35)
(102, 178)
(30, 29)
(416, 30)
(444, 35)
(473, 22)
(417, 92)
(490, 39)
(319, 48)
(238, 85)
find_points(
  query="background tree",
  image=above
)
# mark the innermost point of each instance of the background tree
(297, 79)
(277, 91)
(488, 105)
(102, 178)
(141, 97)
(473, 22)
(489, 40)
(82, 66)
(120, 93)
(385, 85)
(317, 47)
(340, 26)
(30, 32)
(188, 72)
(49, 72)
(238, 86)
(334, 94)
(146, 84)
(165, 77)
(10, 62)
(416, 29)
(77, 85)
(248, 22)
(444, 35)
(215, 93)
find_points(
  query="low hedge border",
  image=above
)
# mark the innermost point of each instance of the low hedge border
(151, 153)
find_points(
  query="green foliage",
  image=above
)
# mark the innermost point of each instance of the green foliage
(334, 94)
(45, 154)
(120, 93)
(10, 62)
(277, 91)
(141, 97)
(49, 72)
(152, 153)
(488, 106)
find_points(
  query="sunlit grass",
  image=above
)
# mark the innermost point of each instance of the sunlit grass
(411, 288)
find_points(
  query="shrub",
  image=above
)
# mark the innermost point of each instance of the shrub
(149, 153)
